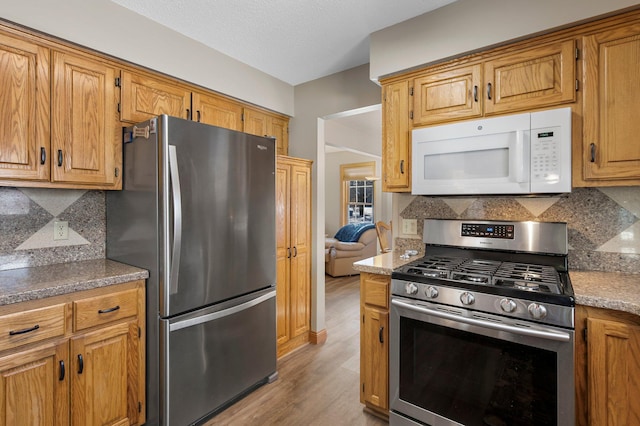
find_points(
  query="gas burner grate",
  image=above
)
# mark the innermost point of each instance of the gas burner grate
(477, 271)
(434, 266)
(538, 278)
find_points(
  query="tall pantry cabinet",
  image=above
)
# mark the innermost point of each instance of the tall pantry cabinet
(293, 252)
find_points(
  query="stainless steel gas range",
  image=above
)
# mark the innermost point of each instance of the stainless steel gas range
(482, 327)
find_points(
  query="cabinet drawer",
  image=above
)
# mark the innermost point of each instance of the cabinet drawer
(31, 326)
(376, 292)
(104, 309)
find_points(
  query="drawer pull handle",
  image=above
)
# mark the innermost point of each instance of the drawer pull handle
(106, 311)
(24, 330)
(80, 364)
(61, 376)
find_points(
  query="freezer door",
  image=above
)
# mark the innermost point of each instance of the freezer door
(219, 197)
(215, 355)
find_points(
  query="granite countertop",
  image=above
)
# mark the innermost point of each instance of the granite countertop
(610, 290)
(22, 284)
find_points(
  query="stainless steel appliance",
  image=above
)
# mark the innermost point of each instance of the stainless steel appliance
(197, 210)
(482, 327)
(523, 153)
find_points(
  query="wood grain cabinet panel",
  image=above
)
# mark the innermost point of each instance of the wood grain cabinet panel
(611, 146)
(34, 386)
(143, 97)
(374, 341)
(262, 124)
(217, 111)
(447, 95)
(396, 141)
(84, 141)
(24, 110)
(532, 78)
(293, 253)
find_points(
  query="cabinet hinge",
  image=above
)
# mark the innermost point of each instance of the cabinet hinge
(411, 115)
(363, 388)
(411, 91)
(577, 84)
(139, 407)
(585, 334)
(577, 53)
(139, 332)
(116, 172)
(363, 319)
(117, 81)
(118, 106)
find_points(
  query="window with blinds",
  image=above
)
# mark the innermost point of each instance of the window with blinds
(357, 192)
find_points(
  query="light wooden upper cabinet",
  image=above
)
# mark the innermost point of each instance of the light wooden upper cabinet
(143, 97)
(611, 146)
(217, 111)
(532, 78)
(396, 143)
(263, 124)
(83, 141)
(522, 80)
(24, 110)
(447, 95)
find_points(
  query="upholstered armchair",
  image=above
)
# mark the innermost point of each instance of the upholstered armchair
(351, 243)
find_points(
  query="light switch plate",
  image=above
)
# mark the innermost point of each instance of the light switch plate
(409, 226)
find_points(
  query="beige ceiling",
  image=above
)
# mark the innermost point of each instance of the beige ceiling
(293, 40)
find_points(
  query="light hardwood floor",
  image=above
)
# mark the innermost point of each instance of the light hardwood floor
(317, 384)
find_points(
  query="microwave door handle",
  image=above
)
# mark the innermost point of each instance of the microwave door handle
(519, 157)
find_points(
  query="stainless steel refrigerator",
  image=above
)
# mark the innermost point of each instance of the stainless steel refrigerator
(197, 209)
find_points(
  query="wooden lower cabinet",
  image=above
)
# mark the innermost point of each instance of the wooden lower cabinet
(374, 342)
(607, 367)
(91, 373)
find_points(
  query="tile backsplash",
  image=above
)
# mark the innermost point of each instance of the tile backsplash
(27, 217)
(603, 224)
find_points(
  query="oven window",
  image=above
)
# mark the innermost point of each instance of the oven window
(476, 380)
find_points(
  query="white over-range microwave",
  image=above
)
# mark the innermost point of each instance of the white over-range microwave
(527, 153)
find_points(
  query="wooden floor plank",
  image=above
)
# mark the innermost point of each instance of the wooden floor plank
(318, 384)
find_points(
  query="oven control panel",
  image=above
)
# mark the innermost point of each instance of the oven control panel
(487, 230)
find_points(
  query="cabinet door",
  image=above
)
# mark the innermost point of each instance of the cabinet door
(217, 111)
(83, 140)
(374, 351)
(300, 274)
(283, 253)
(396, 145)
(533, 78)
(447, 95)
(611, 148)
(255, 122)
(34, 386)
(142, 98)
(105, 381)
(24, 111)
(613, 371)
(279, 129)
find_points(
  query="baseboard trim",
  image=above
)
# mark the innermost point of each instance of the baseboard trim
(318, 337)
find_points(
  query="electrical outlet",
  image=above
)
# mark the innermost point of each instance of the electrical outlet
(60, 230)
(410, 226)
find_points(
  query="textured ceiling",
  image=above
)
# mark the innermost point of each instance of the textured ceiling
(293, 40)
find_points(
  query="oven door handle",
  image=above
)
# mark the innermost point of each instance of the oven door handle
(551, 335)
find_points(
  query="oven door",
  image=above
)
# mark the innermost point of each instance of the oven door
(451, 366)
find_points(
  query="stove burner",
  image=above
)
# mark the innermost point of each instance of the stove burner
(527, 286)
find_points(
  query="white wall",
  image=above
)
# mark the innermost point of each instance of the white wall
(468, 25)
(314, 100)
(109, 28)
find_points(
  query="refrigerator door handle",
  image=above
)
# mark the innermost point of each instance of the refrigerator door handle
(177, 218)
(221, 314)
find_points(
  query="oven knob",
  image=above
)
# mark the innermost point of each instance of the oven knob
(467, 298)
(411, 288)
(431, 292)
(537, 311)
(508, 305)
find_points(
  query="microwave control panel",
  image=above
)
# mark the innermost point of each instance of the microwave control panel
(545, 154)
